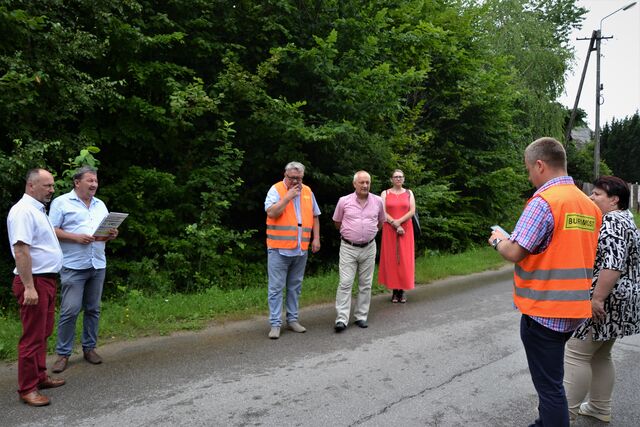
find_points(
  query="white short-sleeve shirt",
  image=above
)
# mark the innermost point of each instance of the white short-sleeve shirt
(27, 222)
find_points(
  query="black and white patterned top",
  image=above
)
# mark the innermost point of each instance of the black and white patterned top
(618, 249)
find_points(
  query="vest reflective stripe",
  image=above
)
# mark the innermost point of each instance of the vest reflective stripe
(282, 232)
(582, 295)
(305, 238)
(282, 227)
(276, 237)
(557, 281)
(557, 274)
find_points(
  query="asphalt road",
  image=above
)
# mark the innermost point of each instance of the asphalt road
(451, 356)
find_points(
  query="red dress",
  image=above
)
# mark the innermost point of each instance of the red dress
(397, 261)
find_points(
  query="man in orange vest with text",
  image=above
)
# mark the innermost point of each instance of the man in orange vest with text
(292, 224)
(553, 246)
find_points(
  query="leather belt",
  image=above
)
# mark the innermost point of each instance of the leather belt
(46, 275)
(357, 245)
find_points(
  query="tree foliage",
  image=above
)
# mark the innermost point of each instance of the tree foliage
(197, 105)
(620, 147)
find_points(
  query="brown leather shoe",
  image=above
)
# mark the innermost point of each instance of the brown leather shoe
(60, 364)
(51, 383)
(92, 357)
(35, 399)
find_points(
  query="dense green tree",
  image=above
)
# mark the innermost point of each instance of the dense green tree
(197, 105)
(533, 35)
(620, 147)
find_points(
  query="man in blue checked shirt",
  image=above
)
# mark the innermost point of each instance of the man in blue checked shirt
(75, 216)
(554, 246)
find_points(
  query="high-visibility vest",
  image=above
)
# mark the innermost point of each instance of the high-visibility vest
(556, 282)
(282, 232)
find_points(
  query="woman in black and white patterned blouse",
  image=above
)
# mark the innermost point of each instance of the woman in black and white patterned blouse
(615, 302)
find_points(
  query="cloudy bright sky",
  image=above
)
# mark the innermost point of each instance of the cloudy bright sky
(619, 64)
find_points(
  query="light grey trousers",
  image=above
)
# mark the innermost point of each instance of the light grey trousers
(361, 261)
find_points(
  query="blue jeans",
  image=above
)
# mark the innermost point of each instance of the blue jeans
(284, 271)
(545, 355)
(80, 290)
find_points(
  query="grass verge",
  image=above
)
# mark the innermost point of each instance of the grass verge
(138, 315)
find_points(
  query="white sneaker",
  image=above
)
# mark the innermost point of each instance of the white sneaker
(586, 409)
(274, 333)
(296, 327)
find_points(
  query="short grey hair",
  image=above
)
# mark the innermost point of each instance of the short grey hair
(549, 150)
(33, 174)
(294, 165)
(77, 176)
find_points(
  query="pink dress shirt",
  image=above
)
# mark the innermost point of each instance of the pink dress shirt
(359, 224)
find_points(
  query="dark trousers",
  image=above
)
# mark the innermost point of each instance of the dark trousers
(37, 326)
(545, 355)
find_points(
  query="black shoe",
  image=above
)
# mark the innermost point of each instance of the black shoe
(401, 298)
(340, 326)
(361, 323)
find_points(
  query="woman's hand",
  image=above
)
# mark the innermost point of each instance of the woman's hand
(597, 310)
(606, 281)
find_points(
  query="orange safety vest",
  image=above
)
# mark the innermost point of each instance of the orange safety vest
(282, 232)
(556, 282)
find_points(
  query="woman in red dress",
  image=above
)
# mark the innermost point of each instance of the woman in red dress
(397, 261)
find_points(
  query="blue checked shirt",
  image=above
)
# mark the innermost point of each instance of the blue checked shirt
(533, 232)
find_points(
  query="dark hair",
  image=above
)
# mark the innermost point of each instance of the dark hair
(614, 186)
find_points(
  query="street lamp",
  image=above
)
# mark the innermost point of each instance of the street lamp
(596, 150)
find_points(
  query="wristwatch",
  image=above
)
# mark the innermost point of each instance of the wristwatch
(495, 242)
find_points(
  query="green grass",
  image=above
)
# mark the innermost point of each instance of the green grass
(430, 268)
(138, 315)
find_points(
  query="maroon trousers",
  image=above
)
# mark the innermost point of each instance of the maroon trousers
(37, 326)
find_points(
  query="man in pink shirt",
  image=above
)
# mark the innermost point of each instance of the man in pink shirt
(358, 216)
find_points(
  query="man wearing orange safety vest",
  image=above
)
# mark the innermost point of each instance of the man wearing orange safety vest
(554, 247)
(292, 224)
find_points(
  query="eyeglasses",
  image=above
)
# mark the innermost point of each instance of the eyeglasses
(398, 177)
(294, 178)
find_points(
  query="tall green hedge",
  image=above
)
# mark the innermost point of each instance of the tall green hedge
(197, 105)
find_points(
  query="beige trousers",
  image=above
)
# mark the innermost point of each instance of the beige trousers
(352, 260)
(588, 368)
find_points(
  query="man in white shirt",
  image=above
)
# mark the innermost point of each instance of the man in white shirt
(38, 259)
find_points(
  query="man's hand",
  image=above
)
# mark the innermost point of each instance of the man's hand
(22, 253)
(509, 250)
(113, 233)
(84, 239)
(315, 245)
(30, 296)
(495, 234)
(293, 192)
(276, 209)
